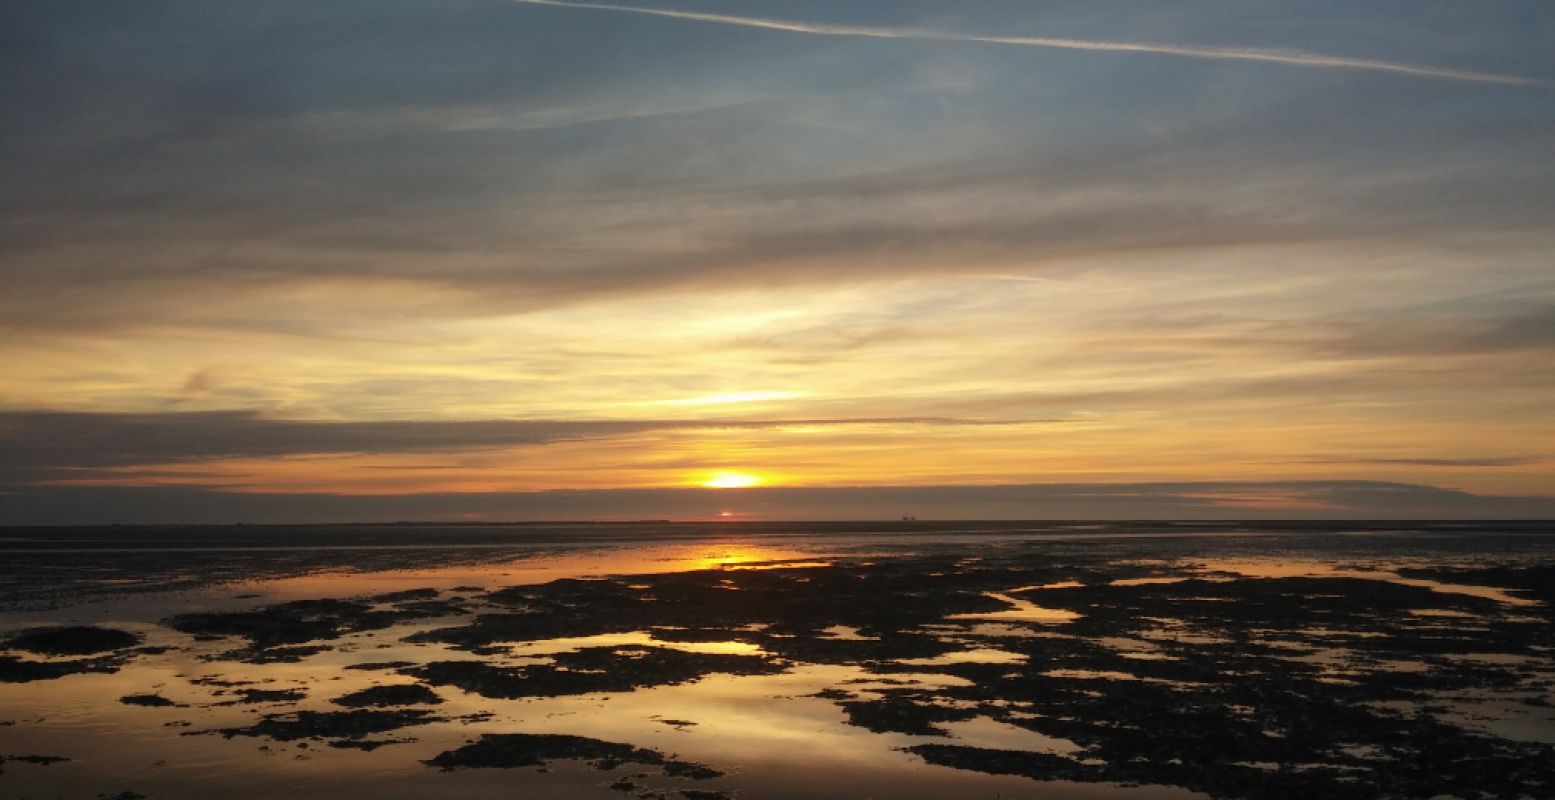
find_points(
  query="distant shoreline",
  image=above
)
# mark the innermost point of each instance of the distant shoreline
(1294, 522)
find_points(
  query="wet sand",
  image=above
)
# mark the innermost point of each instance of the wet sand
(1141, 660)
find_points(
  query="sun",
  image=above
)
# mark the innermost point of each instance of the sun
(730, 480)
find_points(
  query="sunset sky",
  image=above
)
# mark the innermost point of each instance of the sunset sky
(381, 260)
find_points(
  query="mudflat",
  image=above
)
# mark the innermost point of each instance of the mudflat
(1148, 660)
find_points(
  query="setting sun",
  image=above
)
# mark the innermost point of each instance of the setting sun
(730, 480)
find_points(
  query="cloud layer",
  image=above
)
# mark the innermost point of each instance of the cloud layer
(481, 247)
(1206, 501)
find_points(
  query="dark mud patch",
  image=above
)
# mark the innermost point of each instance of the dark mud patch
(511, 750)
(148, 700)
(259, 696)
(590, 670)
(217, 680)
(291, 654)
(74, 640)
(404, 596)
(1041, 766)
(408, 694)
(272, 628)
(691, 770)
(381, 665)
(1435, 769)
(767, 607)
(432, 608)
(55, 644)
(367, 745)
(287, 623)
(1528, 581)
(338, 725)
(917, 714)
(41, 761)
(19, 670)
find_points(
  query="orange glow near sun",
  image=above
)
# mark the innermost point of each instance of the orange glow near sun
(730, 480)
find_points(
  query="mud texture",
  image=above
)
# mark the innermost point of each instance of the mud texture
(590, 670)
(1142, 672)
(329, 725)
(147, 700)
(1146, 662)
(74, 640)
(510, 750)
(410, 694)
(57, 651)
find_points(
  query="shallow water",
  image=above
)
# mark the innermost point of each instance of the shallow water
(797, 662)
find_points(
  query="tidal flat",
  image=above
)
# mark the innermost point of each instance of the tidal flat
(842, 660)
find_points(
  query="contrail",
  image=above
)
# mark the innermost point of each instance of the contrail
(1298, 58)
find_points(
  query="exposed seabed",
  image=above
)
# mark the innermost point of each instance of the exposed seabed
(1129, 661)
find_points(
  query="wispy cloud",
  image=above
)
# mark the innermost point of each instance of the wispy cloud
(361, 124)
(1298, 58)
(1497, 461)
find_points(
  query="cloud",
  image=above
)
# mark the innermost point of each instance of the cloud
(1295, 58)
(1491, 462)
(255, 267)
(43, 443)
(391, 209)
(1519, 325)
(300, 172)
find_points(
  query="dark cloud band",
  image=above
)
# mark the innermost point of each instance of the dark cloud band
(37, 442)
(56, 505)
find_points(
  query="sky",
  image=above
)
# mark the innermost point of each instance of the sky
(748, 259)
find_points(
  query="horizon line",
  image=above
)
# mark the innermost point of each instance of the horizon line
(1221, 522)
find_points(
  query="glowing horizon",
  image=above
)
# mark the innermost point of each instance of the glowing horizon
(731, 480)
